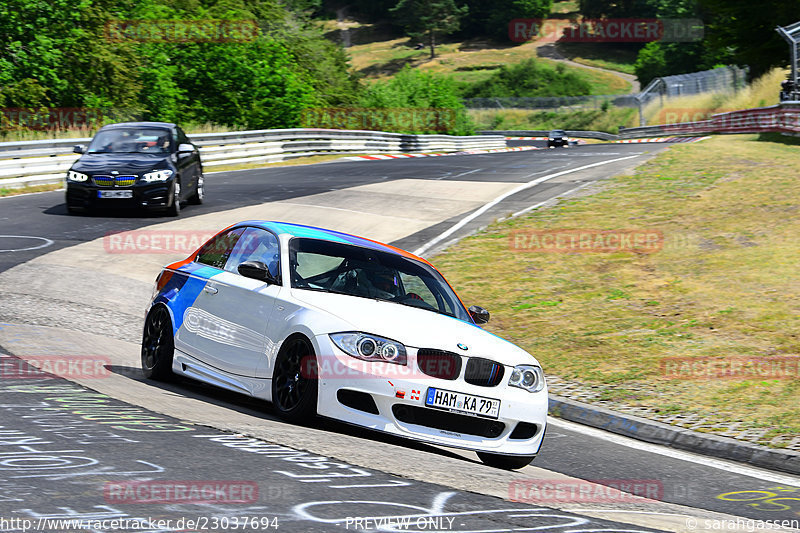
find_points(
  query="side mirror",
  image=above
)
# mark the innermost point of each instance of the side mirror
(185, 148)
(78, 149)
(479, 314)
(257, 270)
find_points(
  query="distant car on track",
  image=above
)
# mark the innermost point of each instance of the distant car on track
(321, 322)
(150, 165)
(557, 138)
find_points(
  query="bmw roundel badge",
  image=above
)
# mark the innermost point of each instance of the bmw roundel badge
(462, 346)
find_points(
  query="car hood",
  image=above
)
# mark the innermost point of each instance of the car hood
(416, 328)
(122, 163)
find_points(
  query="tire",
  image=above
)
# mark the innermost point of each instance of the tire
(199, 193)
(72, 210)
(158, 345)
(294, 389)
(175, 209)
(505, 462)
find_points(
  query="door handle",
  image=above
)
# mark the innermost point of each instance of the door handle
(210, 290)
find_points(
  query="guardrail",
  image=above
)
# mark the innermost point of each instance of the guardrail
(43, 162)
(600, 135)
(782, 118)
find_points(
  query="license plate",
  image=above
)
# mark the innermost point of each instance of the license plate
(458, 402)
(115, 194)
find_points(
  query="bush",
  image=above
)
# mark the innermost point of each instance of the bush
(414, 89)
(530, 78)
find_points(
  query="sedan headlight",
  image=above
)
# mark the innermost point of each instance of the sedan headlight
(157, 175)
(528, 377)
(76, 176)
(370, 347)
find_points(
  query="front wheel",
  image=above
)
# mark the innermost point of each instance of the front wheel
(294, 381)
(175, 209)
(199, 192)
(158, 345)
(506, 462)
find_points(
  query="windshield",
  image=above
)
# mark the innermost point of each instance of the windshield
(557, 133)
(131, 140)
(366, 273)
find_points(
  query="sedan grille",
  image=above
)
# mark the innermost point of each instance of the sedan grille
(483, 372)
(439, 363)
(114, 181)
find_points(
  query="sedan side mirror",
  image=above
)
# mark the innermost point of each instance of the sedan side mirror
(185, 148)
(479, 314)
(257, 270)
(78, 149)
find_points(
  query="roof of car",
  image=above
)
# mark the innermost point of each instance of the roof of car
(140, 125)
(312, 232)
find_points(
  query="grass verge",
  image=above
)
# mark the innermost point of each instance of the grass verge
(467, 62)
(14, 191)
(521, 119)
(725, 284)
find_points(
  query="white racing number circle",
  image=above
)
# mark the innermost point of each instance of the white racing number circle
(16, 243)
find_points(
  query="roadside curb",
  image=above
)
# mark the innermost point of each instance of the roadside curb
(674, 437)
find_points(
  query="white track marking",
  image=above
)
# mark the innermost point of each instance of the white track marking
(540, 204)
(720, 464)
(475, 214)
(47, 242)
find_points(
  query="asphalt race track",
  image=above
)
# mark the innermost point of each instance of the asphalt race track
(70, 452)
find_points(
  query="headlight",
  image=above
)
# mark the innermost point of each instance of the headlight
(528, 377)
(76, 176)
(157, 175)
(370, 347)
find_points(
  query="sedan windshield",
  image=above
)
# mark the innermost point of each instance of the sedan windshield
(131, 140)
(356, 271)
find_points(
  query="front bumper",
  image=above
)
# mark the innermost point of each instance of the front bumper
(147, 195)
(346, 385)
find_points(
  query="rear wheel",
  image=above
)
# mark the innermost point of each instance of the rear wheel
(294, 381)
(158, 345)
(506, 462)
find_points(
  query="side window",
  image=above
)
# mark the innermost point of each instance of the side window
(256, 244)
(414, 285)
(215, 253)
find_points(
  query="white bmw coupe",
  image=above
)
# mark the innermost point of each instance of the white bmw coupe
(324, 323)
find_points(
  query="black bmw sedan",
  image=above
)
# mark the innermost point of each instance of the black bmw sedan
(150, 165)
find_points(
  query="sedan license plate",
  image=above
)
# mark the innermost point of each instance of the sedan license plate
(115, 194)
(458, 402)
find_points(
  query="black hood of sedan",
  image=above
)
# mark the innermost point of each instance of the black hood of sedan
(100, 163)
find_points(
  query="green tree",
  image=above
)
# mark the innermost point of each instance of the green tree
(429, 18)
(412, 89)
(743, 32)
(492, 18)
